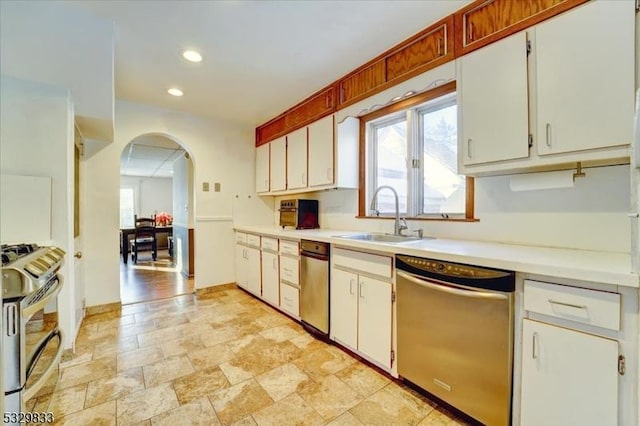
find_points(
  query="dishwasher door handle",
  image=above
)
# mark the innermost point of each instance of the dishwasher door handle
(451, 290)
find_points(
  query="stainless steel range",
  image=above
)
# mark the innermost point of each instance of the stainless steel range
(31, 339)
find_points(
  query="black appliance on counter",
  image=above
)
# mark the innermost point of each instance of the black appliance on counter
(299, 214)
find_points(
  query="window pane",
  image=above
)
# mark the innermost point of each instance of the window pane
(391, 165)
(444, 189)
(126, 208)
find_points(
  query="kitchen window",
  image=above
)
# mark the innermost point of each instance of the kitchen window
(412, 146)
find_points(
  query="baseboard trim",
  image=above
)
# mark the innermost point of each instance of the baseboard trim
(215, 289)
(100, 309)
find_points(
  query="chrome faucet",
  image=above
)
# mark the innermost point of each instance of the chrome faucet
(398, 227)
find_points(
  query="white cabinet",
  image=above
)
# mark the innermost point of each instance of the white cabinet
(290, 277)
(568, 377)
(290, 299)
(344, 308)
(270, 278)
(361, 305)
(321, 155)
(573, 93)
(374, 319)
(262, 168)
(494, 102)
(254, 282)
(241, 266)
(248, 269)
(278, 169)
(297, 159)
(584, 78)
(321, 143)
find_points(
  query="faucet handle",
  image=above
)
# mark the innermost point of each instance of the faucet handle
(403, 224)
(420, 232)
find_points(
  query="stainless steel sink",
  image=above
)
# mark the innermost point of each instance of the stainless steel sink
(382, 238)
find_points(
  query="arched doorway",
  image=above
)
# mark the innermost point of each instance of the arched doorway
(156, 180)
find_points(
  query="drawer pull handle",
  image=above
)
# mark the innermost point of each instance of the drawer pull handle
(534, 345)
(571, 305)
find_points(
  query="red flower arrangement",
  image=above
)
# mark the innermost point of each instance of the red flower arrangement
(164, 219)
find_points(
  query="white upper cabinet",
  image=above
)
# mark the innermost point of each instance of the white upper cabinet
(585, 82)
(320, 156)
(297, 159)
(262, 168)
(321, 143)
(494, 102)
(278, 172)
(573, 93)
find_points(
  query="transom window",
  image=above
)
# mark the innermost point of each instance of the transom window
(412, 147)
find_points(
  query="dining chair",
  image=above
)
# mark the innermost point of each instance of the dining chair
(145, 237)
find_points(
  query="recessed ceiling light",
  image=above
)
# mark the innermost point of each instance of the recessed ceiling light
(192, 56)
(175, 92)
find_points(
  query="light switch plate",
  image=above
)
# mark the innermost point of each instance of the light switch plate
(205, 186)
(216, 187)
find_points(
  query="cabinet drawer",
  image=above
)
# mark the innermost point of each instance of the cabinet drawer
(269, 244)
(289, 247)
(289, 269)
(241, 237)
(366, 262)
(290, 299)
(253, 240)
(593, 307)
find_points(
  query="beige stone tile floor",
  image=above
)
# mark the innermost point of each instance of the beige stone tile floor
(220, 358)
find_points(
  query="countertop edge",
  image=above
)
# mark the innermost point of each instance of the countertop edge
(603, 267)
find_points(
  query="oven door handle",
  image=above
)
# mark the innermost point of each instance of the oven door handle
(31, 390)
(457, 291)
(52, 293)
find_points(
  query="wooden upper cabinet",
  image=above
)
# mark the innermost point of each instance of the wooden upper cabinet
(359, 83)
(271, 130)
(425, 50)
(485, 21)
(312, 109)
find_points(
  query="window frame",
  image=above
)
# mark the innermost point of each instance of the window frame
(402, 108)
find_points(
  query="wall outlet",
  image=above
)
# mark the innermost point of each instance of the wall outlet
(205, 186)
(216, 187)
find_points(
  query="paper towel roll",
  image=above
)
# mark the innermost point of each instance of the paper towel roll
(544, 180)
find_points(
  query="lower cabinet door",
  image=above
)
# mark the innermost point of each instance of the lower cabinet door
(568, 377)
(290, 299)
(374, 320)
(270, 278)
(253, 271)
(343, 293)
(241, 266)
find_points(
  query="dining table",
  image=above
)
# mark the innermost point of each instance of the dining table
(124, 238)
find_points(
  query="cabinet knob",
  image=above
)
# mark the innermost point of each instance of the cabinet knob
(78, 255)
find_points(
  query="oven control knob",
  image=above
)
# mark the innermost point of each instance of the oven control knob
(440, 267)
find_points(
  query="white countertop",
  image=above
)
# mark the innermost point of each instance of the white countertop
(594, 266)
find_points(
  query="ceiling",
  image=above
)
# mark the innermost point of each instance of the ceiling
(150, 156)
(260, 57)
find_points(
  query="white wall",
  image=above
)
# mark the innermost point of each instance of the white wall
(153, 194)
(591, 216)
(183, 204)
(36, 139)
(62, 46)
(221, 152)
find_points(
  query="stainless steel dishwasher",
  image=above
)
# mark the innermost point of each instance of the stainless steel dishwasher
(314, 286)
(455, 334)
